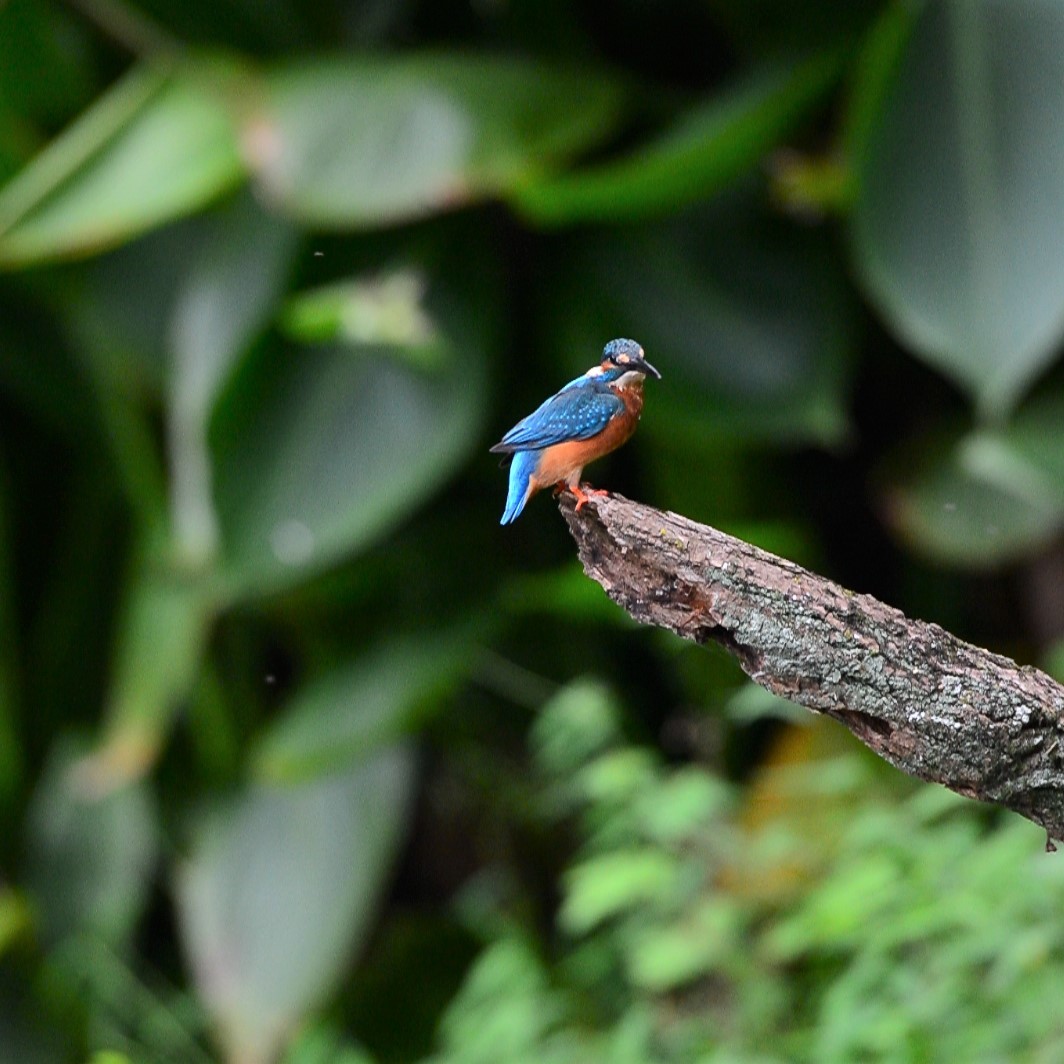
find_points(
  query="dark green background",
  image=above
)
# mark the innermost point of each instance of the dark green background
(302, 757)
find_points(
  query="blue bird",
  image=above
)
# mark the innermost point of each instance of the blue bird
(588, 418)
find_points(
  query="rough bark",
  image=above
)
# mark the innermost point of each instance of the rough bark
(936, 707)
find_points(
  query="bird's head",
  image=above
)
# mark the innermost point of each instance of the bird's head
(626, 356)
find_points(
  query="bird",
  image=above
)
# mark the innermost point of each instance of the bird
(591, 416)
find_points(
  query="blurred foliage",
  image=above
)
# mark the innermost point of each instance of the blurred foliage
(293, 764)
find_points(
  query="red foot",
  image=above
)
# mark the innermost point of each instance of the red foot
(583, 495)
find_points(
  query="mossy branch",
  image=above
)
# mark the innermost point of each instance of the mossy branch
(938, 708)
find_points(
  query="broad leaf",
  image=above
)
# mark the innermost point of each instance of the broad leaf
(157, 146)
(10, 747)
(91, 857)
(231, 286)
(25, 1035)
(367, 141)
(748, 321)
(704, 151)
(46, 70)
(989, 497)
(228, 295)
(205, 289)
(354, 709)
(280, 889)
(162, 633)
(958, 230)
(320, 449)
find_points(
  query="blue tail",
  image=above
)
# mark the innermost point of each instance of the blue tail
(521, 470)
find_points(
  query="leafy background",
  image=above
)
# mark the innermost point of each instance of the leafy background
(302, 757)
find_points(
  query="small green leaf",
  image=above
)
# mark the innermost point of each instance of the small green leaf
(613, 883)
(90, 857)
(686, 804)
(362, 142)
(753, 703)
(958, 229)
(660, 959)
(354, 709)
(706, 150)
(577, 723)
(157, 146)
(387, 309)
(505, 1009)
(280, 889)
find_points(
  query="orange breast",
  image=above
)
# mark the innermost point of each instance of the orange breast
(564, 461)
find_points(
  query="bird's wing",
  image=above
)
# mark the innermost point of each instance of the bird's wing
(578, 412)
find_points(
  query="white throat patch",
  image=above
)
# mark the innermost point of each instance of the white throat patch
(626, 380)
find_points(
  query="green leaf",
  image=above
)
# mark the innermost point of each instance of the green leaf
(987, 498)
(16, 918)
(580, 721)
(704, 151)
(162, 634)
(228, 295)
(90, 857)
(323, 1045)
(1054, 661)
(25, 1034)
(752, 702)
(875, 73)
(356, 708)
(279, 891)
(384, 309)
(687, 803)
(321, 449)
(662, 958)
(46, 64)
(563, 592)
(748, 320)
(505, 1009)
(360, 142)
(958, 229)
(10, 748)
(206, 289)
(157, 146)
(233, 281)
(613, 883)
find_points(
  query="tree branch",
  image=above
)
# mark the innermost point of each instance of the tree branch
(936, 707)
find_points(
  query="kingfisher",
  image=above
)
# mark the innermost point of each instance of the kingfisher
(588, 418)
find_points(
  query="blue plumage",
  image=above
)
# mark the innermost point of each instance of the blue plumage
(582, 409)
(521, 470)
(586, 419)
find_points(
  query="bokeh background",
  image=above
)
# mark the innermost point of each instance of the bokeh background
(302, 757)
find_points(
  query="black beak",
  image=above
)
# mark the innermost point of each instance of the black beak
(644, 366)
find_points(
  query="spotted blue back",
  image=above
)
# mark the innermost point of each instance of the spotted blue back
(579, 411)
